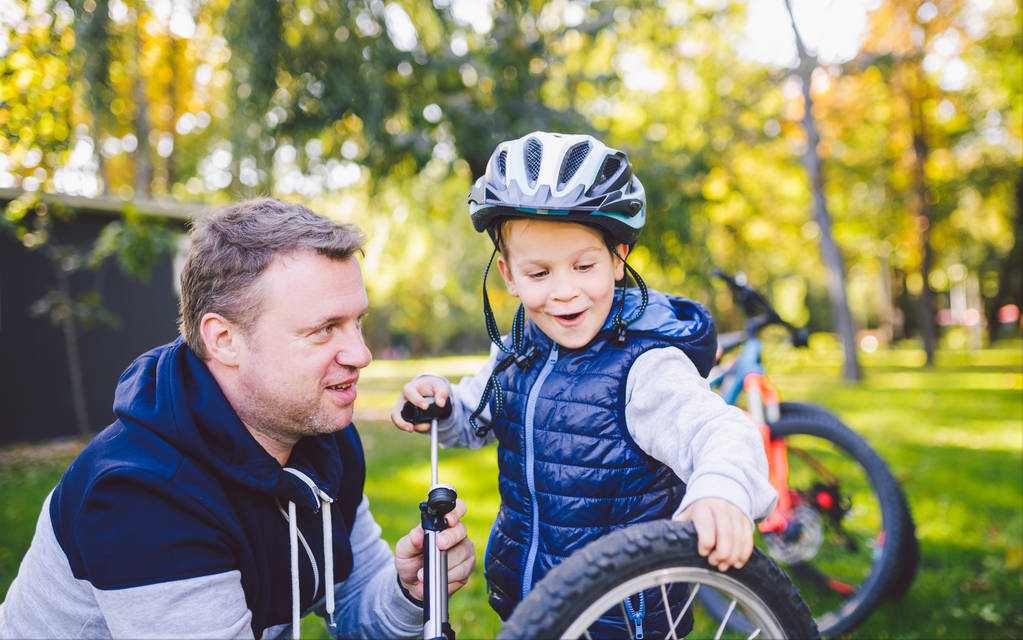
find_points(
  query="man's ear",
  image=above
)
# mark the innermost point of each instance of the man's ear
(505, 270)
(221, 339)
(623, 251)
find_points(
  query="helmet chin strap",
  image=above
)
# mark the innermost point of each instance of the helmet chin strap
(516, 354)
(518, 325)
(620, 325)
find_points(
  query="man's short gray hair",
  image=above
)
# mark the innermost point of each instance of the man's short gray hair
(232, 247)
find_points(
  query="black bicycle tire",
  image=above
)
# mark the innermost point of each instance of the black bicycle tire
(909, 559)
(803, 419)
(908, 554)
(557, 600)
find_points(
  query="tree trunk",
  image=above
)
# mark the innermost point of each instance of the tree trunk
(921, 205)
(143, 157)
(170, 168)
(1010, 279)
(830, 252)
(101, 163)
(885, 301)
(71, 350)
(92, 34)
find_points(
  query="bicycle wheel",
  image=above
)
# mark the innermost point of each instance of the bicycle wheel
(908, 552)
(850, 524)
(584, 596)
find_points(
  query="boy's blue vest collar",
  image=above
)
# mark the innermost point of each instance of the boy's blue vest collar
(680, 320)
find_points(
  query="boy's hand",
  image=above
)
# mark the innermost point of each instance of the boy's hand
(408, 554)
(416, 392)
(724, 534)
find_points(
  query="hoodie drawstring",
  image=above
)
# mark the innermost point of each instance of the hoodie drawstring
(328, 557)
(293, 536)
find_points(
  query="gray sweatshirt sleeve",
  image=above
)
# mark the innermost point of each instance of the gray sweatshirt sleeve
(674, 416)
(47, 601)
(368, 603)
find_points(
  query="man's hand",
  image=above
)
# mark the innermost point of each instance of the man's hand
(416, 392)
(408, 554)
(724, 534)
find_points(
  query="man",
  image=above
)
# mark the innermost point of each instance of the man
(227, 500)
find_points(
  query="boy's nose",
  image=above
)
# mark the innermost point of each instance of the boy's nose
(564, 288)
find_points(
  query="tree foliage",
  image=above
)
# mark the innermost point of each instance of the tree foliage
(384, 112)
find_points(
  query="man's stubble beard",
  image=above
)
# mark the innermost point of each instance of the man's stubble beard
(285, 421)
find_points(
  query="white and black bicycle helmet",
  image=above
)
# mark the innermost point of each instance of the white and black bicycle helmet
(573, 177)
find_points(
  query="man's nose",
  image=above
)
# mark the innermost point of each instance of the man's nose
(354, 352)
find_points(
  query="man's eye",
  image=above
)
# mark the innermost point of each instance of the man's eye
(325, 331)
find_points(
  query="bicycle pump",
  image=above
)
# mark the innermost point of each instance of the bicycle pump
(440, 500)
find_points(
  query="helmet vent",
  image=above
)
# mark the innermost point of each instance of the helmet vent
(534, 154)
(502, 163)
(610, 167)
(573, 160)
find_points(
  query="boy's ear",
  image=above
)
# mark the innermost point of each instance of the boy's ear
(221, 339)
(505, 270)
(623, 251)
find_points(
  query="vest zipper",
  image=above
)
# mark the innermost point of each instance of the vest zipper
(534, 393)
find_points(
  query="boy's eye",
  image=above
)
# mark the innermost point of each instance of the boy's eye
(585, 267)
(537, 274)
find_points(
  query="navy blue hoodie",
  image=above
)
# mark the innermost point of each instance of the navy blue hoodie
(176, 506)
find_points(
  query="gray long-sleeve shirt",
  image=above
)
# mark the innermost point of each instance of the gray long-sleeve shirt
(674, 416)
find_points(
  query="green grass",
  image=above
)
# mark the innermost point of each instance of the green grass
(953, 435)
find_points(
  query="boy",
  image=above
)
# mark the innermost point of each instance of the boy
(598, 401)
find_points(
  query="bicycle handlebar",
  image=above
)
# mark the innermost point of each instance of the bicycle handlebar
(758, 310)
(415, 415)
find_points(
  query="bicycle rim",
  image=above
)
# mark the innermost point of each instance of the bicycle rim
(740, 600)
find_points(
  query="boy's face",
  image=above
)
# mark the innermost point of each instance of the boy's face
(563, 274)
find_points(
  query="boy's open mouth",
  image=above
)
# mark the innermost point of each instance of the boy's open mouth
(570, 316)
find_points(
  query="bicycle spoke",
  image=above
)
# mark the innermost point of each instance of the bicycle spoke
(724, 620)
(689, 603)
(755, 634)
(667, 612)
(818, 466)
(851, 543)
(807, 571)
(625, 615)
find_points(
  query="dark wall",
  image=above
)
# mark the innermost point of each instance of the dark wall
(35, 386)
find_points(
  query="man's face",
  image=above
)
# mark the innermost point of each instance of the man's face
(564, 275)
(299, 362)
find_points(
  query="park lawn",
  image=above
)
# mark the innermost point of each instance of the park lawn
(952, 434)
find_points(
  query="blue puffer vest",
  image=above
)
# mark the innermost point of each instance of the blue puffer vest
(569, 470)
